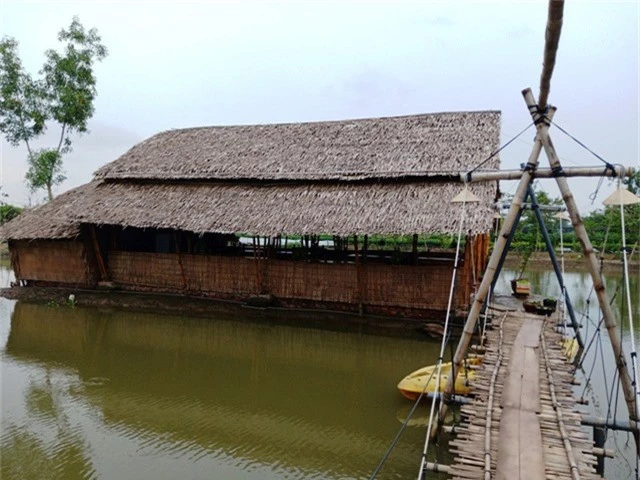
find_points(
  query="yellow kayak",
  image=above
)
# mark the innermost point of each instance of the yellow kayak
(413, 384)
(569, 348)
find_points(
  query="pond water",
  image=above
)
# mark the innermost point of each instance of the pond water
(95, 393)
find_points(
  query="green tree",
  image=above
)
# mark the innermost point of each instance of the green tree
(9, 212)
(605, 225)
(64, 94)
(633, 182)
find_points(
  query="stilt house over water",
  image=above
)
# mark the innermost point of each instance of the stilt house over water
(211, 211)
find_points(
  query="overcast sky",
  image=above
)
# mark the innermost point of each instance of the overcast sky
(174, 65)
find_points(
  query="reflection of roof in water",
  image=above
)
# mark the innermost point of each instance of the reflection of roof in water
(258, 393)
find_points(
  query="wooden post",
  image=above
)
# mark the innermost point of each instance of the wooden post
(176, 241)
(113, 240)
(483, 289)
(104, 274)
(358, 274)
(256, 262)
(414, 248)
(551, 40)
(15, 260)
(365, 248)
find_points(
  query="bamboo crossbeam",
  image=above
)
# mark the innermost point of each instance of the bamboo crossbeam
(437, 467)
(618, 425)
(480, 176)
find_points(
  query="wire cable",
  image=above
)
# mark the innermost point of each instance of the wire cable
(395, 441)
(423, 459)
(498, 150)
(607, 164)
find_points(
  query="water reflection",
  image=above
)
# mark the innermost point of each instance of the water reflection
(91, 393)
(246, 400)
(603, 391)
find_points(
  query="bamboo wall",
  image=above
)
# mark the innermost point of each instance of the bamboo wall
(54, 261)
(370, 287)
(420, 287)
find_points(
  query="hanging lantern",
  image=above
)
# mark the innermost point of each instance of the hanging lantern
(465, 196)
(621, 196)
(562, 215)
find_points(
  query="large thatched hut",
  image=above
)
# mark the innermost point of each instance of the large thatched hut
(211, 211)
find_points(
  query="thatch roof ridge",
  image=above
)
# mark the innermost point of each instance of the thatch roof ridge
(446, 141)
(323, 122)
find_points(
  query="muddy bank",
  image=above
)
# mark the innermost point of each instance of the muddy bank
(572, 260)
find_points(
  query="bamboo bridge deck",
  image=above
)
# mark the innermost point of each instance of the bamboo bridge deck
(524, 376)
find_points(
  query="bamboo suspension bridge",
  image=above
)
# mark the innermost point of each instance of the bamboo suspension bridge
(523, 420)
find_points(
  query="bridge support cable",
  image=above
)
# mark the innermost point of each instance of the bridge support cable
(454, 367)
(558, 272)
(634, 359)
(395, 441)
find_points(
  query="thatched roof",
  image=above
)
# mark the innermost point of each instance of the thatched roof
(51, 220)
(322, 150)
(320, 178)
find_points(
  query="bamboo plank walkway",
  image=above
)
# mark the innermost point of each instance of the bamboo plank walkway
(524, 373)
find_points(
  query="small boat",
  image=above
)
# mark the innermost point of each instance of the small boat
(539, 307)
(521, 287)
(413, 384)
(569, 348)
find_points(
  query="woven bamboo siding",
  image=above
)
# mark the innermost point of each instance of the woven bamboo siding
(425, 287)
(57, 261)
(227, 275)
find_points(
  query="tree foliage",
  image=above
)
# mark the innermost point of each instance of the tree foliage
(7, 212)
(604, 226)
(64, 94)
(45, 170)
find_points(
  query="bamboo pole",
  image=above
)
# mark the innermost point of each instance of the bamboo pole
(551, 40)
(489, 176)
(487, 279)
(592, 266)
